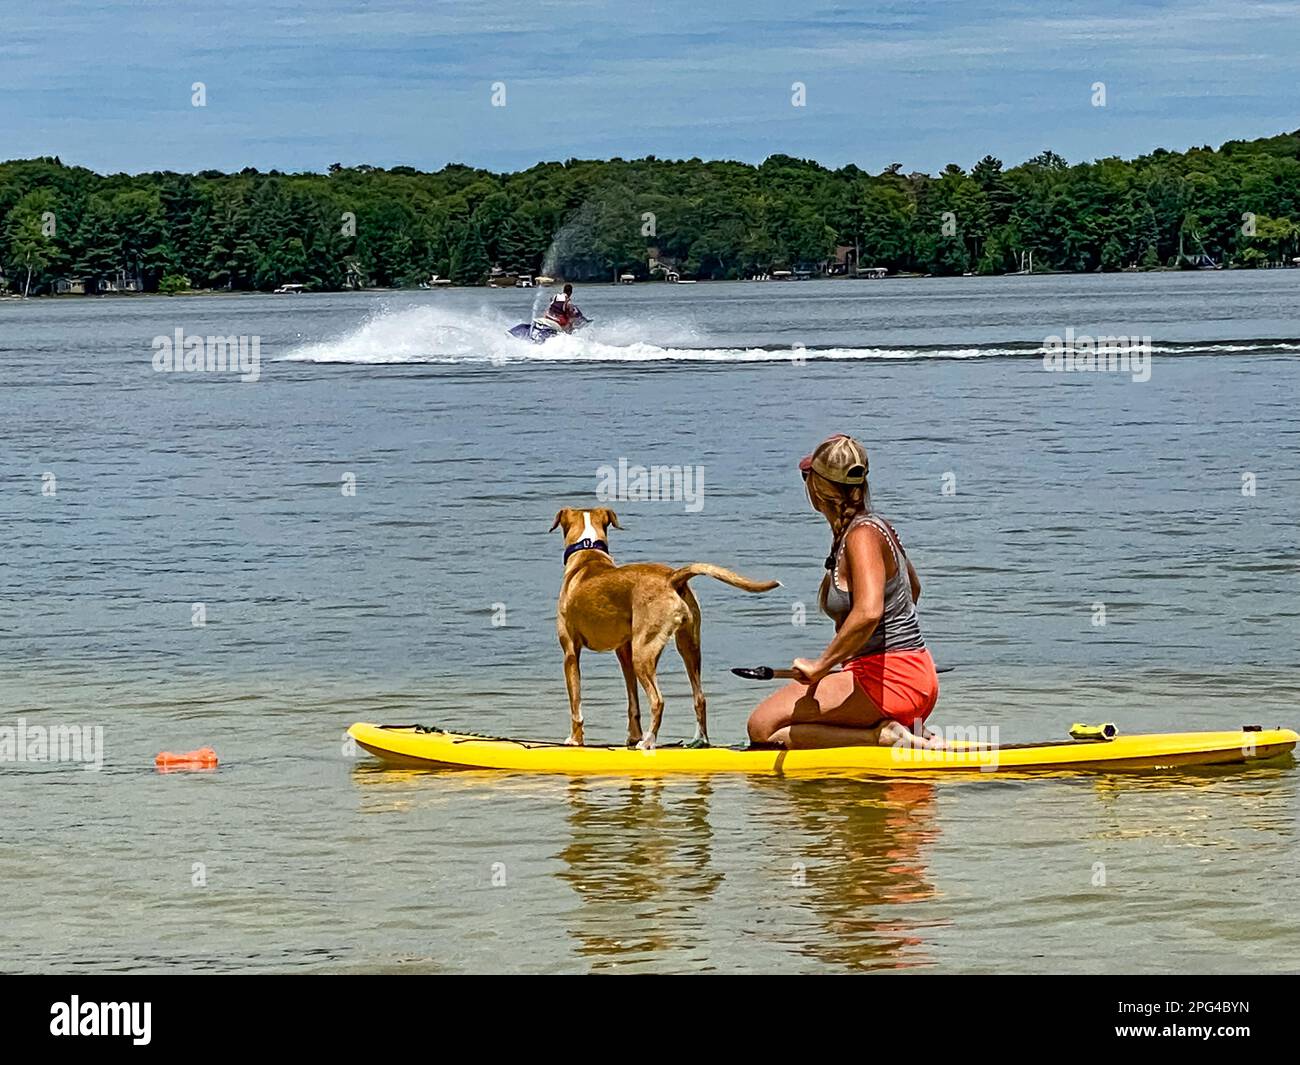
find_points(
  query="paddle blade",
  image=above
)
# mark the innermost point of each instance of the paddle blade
(754, 672)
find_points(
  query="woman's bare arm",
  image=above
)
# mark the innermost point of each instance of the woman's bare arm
(864, 550)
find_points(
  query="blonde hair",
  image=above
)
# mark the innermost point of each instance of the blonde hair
(844, 501)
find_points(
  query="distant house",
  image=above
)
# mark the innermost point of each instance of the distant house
(845, 263)
(70, 286)
(119, 283)
(659, 263)
(669, 268)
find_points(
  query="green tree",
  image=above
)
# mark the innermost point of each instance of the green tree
(231, 258)
(143, 250)
(28, 246)
(469, 260)
(587, 219)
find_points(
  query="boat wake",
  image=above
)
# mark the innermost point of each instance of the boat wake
(440, 335)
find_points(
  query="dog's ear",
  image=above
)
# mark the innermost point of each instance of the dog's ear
(610, 518)
(559, 519)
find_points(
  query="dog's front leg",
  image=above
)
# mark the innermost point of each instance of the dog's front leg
(573, 681)
(633, 700)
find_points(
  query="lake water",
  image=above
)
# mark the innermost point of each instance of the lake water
(1034, 505)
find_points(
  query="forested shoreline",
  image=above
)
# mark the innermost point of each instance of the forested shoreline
(362, 226)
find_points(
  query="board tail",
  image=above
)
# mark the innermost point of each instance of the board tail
(679, 577)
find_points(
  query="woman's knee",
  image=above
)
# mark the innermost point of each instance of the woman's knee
(764, 721)
(773, 713)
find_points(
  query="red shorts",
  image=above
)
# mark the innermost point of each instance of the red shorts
(903, 684)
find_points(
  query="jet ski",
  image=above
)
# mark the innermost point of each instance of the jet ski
(542, 329)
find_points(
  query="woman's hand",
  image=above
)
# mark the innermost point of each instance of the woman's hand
(808, 671)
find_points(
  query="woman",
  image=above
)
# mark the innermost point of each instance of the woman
(888, 685)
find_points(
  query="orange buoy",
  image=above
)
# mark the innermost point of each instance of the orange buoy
(203, 758)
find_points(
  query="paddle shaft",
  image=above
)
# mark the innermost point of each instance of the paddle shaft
(788, 674)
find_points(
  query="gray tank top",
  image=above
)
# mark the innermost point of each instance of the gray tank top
(899, 629)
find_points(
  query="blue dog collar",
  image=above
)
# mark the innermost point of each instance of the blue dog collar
(586, 545)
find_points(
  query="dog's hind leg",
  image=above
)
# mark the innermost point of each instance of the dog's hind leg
(646, 650)
(688, 646)
(573, 681)
(633, 700)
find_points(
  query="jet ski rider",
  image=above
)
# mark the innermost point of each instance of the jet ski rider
(562, 311)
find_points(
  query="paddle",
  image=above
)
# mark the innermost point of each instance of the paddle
(768, 673)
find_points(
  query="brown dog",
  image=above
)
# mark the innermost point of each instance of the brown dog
(630, 610)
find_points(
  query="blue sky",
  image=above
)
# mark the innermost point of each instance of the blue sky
(297, 85)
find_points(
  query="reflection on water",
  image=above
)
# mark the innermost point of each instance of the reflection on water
(823, 868)
(971, 874)
(641, 863)
(866, 850)
(1186, 806)
(837, 854)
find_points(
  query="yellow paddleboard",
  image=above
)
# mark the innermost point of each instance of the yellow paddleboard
(409, 745)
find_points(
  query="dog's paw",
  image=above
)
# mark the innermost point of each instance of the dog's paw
(647, 743)
(573, 741)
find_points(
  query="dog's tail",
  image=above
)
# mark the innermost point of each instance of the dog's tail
(679, 577)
